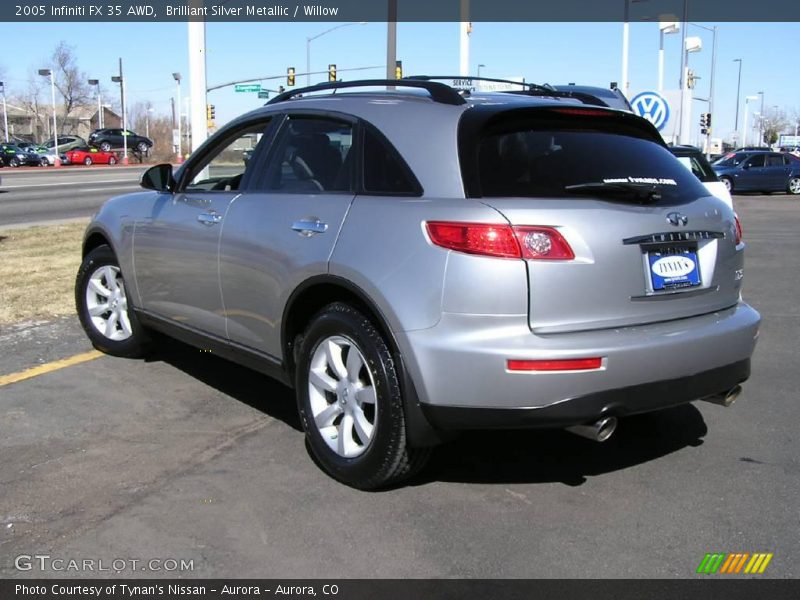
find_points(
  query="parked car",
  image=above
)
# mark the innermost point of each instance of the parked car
(107, 139)
(14, 156)
(537, 262)
(759, 171)
(65, 143)
(48, 157)
(693, 159)
(90, 156)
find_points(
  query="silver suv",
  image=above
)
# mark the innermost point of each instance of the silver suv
(416, 261)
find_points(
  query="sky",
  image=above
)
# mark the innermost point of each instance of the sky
(584, 53)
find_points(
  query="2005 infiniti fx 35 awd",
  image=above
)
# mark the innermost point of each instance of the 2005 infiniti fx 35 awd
(419, 260)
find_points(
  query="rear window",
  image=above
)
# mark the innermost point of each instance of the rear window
(542, 157)
(733, 159)
(698, 165)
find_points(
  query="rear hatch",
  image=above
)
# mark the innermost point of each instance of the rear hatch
(648, 241)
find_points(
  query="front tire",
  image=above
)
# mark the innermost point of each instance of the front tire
(728, 183)
(350, 402)
(87, 161)
(102, 303)
(14, 162)
(112, 161)
(105, 146)
(794, 186)
(142, 147)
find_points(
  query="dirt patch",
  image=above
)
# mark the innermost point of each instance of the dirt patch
(37, 271)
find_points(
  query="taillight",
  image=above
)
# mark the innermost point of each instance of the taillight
(503, 241)
(543, 243)
(738, 229)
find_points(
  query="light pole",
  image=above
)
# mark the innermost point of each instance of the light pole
(177, 78)
(761, 120)
(664, 28)
(744, 127)
(49, 73)
(713, 30)
(319, 35)
(121, 81)
(738, 92)
(690, 44)
(5, 109)
(626, 31)
(96, 83)
(479, 69)
(147, 121)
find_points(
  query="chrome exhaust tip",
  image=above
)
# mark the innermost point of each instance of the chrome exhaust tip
(726, 398)
(599, 431)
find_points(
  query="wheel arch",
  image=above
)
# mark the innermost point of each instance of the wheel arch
(95, 238)
(317, 292)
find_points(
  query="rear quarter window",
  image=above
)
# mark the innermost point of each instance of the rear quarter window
(542, 156)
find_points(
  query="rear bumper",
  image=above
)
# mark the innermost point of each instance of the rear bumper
(459, 367)
(591, 407)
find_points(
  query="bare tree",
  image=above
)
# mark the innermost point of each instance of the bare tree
(39, 111)
(775, 122)
(71, 83)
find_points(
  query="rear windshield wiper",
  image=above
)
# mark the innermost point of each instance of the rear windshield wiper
(644, 192)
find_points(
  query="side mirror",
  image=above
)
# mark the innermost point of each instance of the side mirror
(158, 178)
(746, 166)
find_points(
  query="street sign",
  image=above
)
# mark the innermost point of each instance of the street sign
(248, 87)
(263, 94)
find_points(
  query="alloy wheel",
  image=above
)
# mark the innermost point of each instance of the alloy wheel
(107, 303)
(342, 395)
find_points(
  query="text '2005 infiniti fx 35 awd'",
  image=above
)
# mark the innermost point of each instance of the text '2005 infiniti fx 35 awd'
(416, 261)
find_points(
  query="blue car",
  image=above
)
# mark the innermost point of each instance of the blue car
(759, 171)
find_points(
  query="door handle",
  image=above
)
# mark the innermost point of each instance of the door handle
(210, 218)
(310, 226)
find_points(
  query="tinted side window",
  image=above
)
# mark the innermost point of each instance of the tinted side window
(312, 156)
(384, 173)
(775, 160)
(756, 161)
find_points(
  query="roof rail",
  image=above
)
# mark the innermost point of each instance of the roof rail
(530, 89)
(439, 92)
(523, 83)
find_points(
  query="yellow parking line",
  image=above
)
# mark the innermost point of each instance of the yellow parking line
(49, 367)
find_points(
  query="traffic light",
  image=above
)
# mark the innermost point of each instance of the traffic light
(331, 72)
(398, 69)
(708, 120)
(210, 112)
(290, 76)
(703, 122)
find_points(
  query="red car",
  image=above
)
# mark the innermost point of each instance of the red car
(89, 156)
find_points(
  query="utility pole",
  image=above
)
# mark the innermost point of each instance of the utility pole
(738, 92)
(391, 39)
(684, 63)
(121, 81)
(5, 110)
(197, 80)
(465, 28)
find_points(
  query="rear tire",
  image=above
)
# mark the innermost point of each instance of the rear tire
(102, 304)
(112, 161)
(14, 162)
(44, 162)
(142, 147)
(350, 402)
(105, 146)
(87, 161)
(794, 186)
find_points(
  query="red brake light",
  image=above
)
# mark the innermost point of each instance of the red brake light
(475, 238)
(738, 227)
(571, 364)
(504, 241)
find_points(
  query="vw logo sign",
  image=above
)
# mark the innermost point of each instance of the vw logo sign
(652, 107)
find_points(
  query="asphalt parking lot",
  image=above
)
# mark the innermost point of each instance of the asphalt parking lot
(186, 456)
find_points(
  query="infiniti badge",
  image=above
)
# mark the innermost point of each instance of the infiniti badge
(676, 218)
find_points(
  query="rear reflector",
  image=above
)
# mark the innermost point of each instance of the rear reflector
(739, 232)
(503, 241)
(571, 364)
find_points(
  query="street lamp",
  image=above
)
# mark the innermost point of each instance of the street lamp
(746, 101)
(738, 92)
(664, 28)
(479, 69)
(121, 81)
(96, 82)
(313, 37)
(690, 44)
(147, 121)
(177, 78)
(761, 121)
(713, 30)
(49, 73)
(626, 43)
